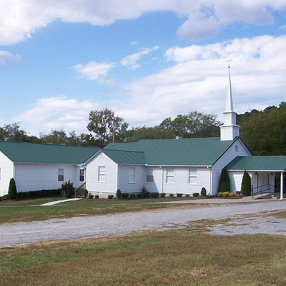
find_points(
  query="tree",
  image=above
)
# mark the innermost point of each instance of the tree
(224, 181)
(101, 124)
(12, 191)
(246, 184)
(195, 124)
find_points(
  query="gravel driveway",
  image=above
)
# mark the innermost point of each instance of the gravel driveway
(116, 224)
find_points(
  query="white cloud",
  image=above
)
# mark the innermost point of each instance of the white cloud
(6, 57)
(56, 113)
(20, 19)
(198, 80)
(131, 60)
(93, 70)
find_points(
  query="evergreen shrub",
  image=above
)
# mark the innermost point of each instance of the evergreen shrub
(224, 181)
(179, 195)
(196, 195)
(67, 189)
(12, 191)
(118, 194)
(203, 192)
(246, 184)
(155, 195)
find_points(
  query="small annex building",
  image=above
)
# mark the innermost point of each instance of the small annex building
(42, 166)
(168, 166)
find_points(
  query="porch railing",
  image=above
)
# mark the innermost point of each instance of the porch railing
(262, 190)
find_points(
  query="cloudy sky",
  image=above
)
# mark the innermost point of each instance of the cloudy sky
(146, 60)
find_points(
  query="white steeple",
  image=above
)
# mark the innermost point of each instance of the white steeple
(229, 130)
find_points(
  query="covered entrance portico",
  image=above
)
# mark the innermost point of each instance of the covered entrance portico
(262, 170)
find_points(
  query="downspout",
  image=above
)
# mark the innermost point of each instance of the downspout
(162, 179)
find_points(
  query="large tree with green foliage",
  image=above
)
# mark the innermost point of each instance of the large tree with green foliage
(194, 124)
(101, 123)
(246, 184)
(224, 181)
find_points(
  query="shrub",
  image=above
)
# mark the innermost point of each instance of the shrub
(231, 195)
(90, 196)
(139, 196)
(5, 197)
(96, 196)
(162, 195)
(110, 197)
(225, 194)
(67, 189)
(196, 195)
(224, 181)
(238, 192)
(179, 195)
(187, 195)
(145, 193)
(171, 195)
(203, 192)
(41, 193)
(132, 196)
(246, 184)
(155, 195)
(118, 194)
(125, 195)
(219, 194)
(12, 191)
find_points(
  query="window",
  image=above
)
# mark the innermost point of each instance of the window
(170, 175)
(61, 175)
(81, 175)
(193, 176)
(132, 175)
(236, 148)
(149, 177)
(101, 174)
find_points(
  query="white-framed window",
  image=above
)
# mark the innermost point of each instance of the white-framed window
(170, 175)
(236, 148)
(61, 175)
(81, 175)
(149, 176)
(101, 174)
(193, 176)
(132, 175)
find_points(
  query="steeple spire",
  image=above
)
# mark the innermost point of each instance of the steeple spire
(229, 130)
(229, 104)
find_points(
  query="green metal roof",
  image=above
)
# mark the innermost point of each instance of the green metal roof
(258, 163)
(171, 152)
(46, 153)
(126, 157)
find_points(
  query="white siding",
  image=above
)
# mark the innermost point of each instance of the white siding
(33, 177)
(235, 181)
(181, 181)
(102, 188)
(7, 172)
(227, 157)
(123, 179)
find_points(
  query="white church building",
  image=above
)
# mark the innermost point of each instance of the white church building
(168, 166)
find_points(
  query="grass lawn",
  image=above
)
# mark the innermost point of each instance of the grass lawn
(29, 210)
(175, 257)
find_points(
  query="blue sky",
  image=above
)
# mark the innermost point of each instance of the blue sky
(145, 60)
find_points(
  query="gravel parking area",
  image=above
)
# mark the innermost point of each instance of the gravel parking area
(117, 224)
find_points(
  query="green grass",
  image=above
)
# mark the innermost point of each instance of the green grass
(175, 257)
(30, 210)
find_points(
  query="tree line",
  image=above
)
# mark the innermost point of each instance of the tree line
(264, 132)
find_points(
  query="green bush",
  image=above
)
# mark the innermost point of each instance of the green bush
(118, 194)
(231, 195)
(179, 195)
(110, 197)
(5, 197)
(246, 184)
(162, 195)
(125, 195)
(225, 194)
(145, 193)
(224, 181)
(171, 195)
(155, 195)
(219, 194)
(196, 195)
(187, 195)
(67, 189)
(12, 191)
(139, 196)
(203, 192)
(90, 196)
(39, 194)
(132, 196)
(96, 196)
(238, 192)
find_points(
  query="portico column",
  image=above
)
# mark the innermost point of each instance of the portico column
(281, 187)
